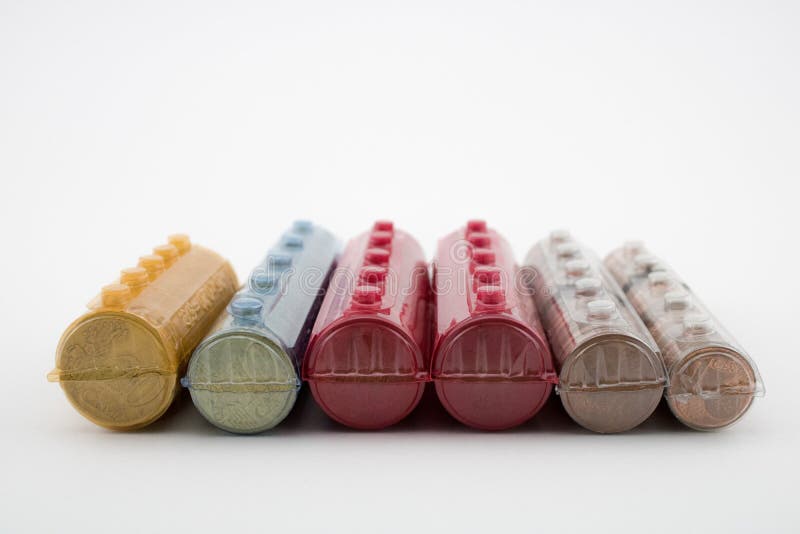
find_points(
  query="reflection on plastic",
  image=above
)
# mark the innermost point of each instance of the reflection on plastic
(119, 363)
(712, 379)
(367, 361)
(611, 375)
(492, 365)
(244, 376)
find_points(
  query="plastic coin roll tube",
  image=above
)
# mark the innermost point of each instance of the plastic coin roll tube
(367, 361)
(244, 377)
(611, 375)
(712, 379)
(119, 363)
(492, 364)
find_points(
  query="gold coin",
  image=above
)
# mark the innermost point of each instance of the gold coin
(115, 371)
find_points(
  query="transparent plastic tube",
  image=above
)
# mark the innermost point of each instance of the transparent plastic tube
(713, 381)
(611, 375)
(245, 375)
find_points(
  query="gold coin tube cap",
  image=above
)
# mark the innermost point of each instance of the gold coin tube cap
(119, 362)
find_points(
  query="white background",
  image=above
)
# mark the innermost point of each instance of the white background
(123, 122)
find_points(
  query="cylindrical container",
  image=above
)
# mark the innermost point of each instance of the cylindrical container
(712, 379)
(367, 362)
(491, 362)
(244, 376)
(611, 375)
(119, 363)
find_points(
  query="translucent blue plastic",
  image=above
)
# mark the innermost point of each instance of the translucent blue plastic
(244, 376)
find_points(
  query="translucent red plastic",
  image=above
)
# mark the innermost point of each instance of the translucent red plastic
(491, 365)
(367, 361)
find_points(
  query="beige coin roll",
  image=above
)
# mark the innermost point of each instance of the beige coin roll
(611, 376)
(119, 363)
(712, 379)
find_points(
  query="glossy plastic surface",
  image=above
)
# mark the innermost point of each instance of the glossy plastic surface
(119, 363)
(712, 379)
(367, 361)
(492, 365)
(611, 375)
(244, 377)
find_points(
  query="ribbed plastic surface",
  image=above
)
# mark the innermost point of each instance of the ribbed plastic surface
(712, 379)
(245, 375)
(611, 375)
(119, 363)
(367, 361)
(492, 365)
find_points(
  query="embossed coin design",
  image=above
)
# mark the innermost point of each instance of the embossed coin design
(134, 384)
(119, 363)
(244, 377)
(710, 369)
(243, 383)
(712, 380)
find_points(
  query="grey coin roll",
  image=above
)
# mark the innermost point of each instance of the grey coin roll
(244, 377)
(611, 375)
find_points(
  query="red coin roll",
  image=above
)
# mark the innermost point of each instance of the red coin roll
(367, 361)
(491, 362)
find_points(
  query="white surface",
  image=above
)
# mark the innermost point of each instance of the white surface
(122, 123)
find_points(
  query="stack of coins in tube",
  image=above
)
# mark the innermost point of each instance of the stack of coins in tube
(712, 379)
(611, 375)
(119, 363)
(368, 358)
(492, 364)
(244, 377)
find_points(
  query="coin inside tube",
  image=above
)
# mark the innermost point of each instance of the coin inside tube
(611, 383)
(712, 381)
(712, 389)
(611, 375)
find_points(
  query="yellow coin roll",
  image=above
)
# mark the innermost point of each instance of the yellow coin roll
(119, 363)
